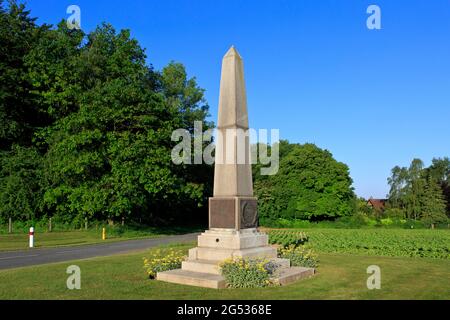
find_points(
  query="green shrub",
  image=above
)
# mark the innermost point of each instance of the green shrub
(282, 223)
(285, 223)
(248, 273)
(299, 256)
(394, 213)
(386, 221)
(267, 222)
(413, 224)
(302, 224)
(371, 222)
(163, 260)
(39, 226)
(357, 220)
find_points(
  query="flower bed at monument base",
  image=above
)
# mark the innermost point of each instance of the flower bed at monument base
(300, 256)
(294, 260)
(246, 273)
(163, 260)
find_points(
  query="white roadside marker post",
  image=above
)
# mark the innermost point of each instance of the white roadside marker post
(31, 236)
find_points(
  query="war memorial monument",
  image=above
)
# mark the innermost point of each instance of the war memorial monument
(233, 215)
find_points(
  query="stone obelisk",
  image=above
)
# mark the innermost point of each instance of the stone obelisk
(233, 205)
(233, 214)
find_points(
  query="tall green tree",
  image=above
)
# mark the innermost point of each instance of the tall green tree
(439, 171)
(20, 115)
(416, 183)
(19, 112)
(397, 183)
(433, 204)
(309, 185)
(111, 158)
(20, 189)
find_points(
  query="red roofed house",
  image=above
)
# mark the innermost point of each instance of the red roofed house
(377, 204)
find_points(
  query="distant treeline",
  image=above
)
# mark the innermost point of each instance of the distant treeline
(421, 193)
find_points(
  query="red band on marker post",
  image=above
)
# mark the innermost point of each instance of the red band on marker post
(31, 237)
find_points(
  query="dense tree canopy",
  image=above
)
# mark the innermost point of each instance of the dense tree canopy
(86, 126)
(421, 193)
(310, 185)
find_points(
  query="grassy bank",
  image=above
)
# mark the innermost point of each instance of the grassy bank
(19, 241)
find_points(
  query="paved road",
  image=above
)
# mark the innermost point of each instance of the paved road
(32, 257)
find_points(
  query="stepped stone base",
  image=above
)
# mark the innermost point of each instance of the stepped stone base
(202, 268)
(212, 266)
(292, 274)
(197, 279)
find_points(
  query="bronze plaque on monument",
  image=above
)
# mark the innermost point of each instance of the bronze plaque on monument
(233, 213)
(249, 213)
(222, 213)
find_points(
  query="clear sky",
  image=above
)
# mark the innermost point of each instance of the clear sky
(374, 98)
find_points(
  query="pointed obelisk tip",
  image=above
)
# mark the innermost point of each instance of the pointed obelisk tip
(232, 52)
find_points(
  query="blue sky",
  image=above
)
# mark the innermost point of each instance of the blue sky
(374, 98)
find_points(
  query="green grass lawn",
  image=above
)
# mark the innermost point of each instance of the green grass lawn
(341, 276)
(19, 241)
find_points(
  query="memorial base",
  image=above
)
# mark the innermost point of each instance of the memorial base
(202, 268)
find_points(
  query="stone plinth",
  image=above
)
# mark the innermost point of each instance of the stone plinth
(221, 244)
